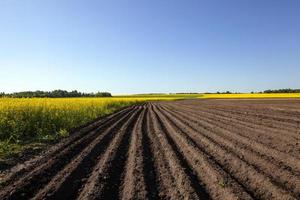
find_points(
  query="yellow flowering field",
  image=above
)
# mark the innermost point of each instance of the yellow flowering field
(255, 95)
(30, 120)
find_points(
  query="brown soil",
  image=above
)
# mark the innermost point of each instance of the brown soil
(190, 149)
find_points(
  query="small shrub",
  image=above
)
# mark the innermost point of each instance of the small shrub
(63, 133)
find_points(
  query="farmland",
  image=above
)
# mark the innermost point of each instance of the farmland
(248, 96)
(189, 149)
(33, 121)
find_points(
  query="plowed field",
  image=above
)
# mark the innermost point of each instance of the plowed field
(188, 149)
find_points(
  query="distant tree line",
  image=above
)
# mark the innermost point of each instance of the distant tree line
(54, 94)
(227, 92)
(185, 93)
(288, 90)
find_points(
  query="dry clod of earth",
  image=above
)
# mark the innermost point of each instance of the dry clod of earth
(189, 149)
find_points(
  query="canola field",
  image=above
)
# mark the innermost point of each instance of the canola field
(188, 149)
(24, 121)
(249, 96)
(27, 121)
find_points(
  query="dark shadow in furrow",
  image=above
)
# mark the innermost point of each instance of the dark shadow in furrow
(272, 180)
(113, 184)
(242, 119)
(248, 118)
(253, 151)
(195, 182)
(75, 136)
(148, 165)
(69, 189)
(269, 116)
(265, 156)
(37, 181)
(251, 193)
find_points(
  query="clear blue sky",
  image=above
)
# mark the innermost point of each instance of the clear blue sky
(141, 46)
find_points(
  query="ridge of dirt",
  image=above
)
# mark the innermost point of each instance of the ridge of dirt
(188, 149)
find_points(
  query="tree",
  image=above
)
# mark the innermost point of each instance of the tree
(54, 94)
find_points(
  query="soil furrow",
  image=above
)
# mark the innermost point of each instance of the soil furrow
(246, 120)
(195, 183)
(150, 172)
(202, 121)
(26, 186)
(268, 116)
(280, 157)
(67, 182)
(267, 137)
(187, 149)
(105, 180)
(284, 178)
(76, 134)
(241, 170)
(252, 112)
(261, 120)
(207, 170)
(274, 125)
(134, 186)
(178, 185)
